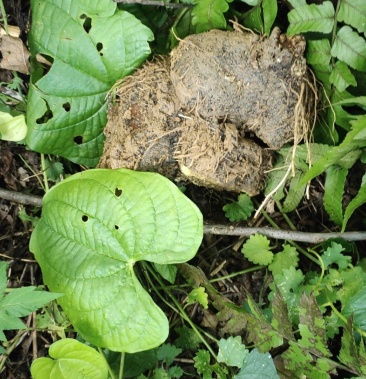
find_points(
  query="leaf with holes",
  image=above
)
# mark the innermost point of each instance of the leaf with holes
(95, 226)
(90, 46)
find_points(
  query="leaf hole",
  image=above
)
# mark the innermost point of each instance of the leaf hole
(118, 192)
(47, 115)
(116, 227)
(85, 218)
(66, 106)
(99, 47)
(48, 60)
(87, 24)
(78, 140)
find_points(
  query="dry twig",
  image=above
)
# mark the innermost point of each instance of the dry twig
(227, 230)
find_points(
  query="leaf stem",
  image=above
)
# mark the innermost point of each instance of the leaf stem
(44, 171)
(33, 172)
(121, 365)
(5, 18)
(111, 374)
(181, 310)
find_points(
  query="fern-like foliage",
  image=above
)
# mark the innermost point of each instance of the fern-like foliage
(337, 55)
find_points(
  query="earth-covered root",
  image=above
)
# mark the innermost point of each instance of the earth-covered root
(242, 78)
(143, 123)
(217, 157)
(213, 112)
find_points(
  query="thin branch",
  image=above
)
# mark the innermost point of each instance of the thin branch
(21, 198)
(228, 230)
(153, 2)
(223, 230)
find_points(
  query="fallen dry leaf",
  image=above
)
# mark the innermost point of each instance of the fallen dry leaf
(15, 54)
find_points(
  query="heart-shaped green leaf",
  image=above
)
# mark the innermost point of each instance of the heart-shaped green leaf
(92, 44)
(95, 225)
(70, 359)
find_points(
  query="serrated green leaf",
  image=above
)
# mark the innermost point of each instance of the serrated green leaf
(353, 12)
(167, 353)
(349, 354)
(285, 259)
(53, 170)
(356, 307)
(296, 358)
(350, 48)
(294, 195)
(175, 372)
(318, 52)
(160, 373)
(353, 280)
(9, 322)
(258, 365)
(232, 352)
(188, 338)
(209, 14)
(202, 363)
(355, 203)
(66, 109)
(198, 295)
(260, 331)
(95, 226)
(12, 128)
(312, 327)
(289, 284)
(280, 320)
(333, 192)
(70, 359)
(311, 18)
(239, 210)
(269, 9)
(257, 250)
(342, 76)
(333, 255)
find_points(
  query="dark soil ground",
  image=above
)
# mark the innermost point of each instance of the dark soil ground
(20, 171)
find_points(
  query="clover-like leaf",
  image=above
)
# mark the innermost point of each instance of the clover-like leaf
(257, 250)
(95, 226)
(91, 45)
(70, 359)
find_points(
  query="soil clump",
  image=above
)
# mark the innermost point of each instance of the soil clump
(213, 112)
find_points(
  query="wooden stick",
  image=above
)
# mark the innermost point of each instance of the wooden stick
(154, 2)
(222, 230)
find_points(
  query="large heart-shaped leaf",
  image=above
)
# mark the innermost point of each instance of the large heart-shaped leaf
(95, 225)
(92, 44)
(70, 359)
